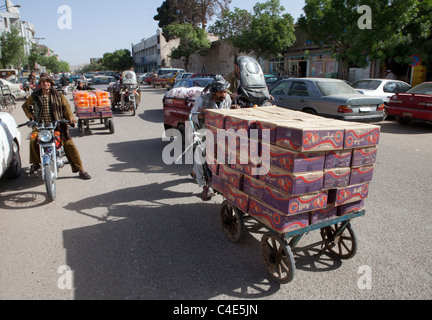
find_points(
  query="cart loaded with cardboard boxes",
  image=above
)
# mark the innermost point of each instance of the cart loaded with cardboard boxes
(91, 106)
(291, 172)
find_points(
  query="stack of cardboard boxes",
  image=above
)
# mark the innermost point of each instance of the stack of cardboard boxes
(92, 104)
(287, 168)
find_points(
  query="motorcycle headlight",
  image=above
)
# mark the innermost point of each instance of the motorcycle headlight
(45, 136)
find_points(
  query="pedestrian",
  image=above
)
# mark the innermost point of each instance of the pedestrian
(49, 106)
(233, 79)
(216, 98)
(390, 75)
(64, 83)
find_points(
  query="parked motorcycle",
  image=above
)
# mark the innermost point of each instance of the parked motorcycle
(51, 152)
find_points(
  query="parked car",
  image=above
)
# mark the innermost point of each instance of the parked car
(383, 88)
(158, 78)
(15, 88)
(10, 145)
(272, 81)
(327, 97)
(144, 76)
(182, 75)
(415, 104)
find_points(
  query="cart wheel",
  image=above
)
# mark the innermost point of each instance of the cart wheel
(343, 246)
(105, 122)
(111, 126)
(232, 222)
(278, 258)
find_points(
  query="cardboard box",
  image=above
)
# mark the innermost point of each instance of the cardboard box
(361, 175)
(236, 197)
(350, 207)
(322, 215)
(276, 220)
(338, 159)
(364, 156)
(349, 194)
(294, 183)
(293, 161)
(336, 178)
(308, 136)
(361, 135)
(231, 177)
(281, 201)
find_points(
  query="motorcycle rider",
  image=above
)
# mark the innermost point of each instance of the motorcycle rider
(49, 106)
(216, 98)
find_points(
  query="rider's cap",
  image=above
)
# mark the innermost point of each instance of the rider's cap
(219, 84)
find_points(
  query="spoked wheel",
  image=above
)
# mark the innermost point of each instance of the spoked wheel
(278, 258)
(341, 244)
(232, 222)
(50, 183)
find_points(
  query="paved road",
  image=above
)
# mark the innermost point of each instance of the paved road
(137, 229)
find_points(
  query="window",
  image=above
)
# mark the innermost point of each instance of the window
(298, 88)
(391, 87)
(281, 88)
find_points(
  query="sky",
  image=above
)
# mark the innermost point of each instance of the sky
(78, 30)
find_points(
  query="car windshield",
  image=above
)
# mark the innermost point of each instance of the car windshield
(422, 88)
(328, 88)
(367, 84)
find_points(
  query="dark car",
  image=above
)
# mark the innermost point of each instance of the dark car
(327, 97)
(415, 104)
(272, 81)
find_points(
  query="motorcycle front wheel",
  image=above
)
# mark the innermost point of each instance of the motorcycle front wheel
(50, 184)
(132, 108)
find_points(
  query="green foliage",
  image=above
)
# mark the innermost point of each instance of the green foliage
(12, 48)
(118, 60)
(193, 40)
(399, 28)
(267, 32)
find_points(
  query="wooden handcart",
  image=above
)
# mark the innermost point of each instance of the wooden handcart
(87, 119)
(337, 234)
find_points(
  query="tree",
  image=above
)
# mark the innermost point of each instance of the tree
(118, 60)
(232, 25)
(337, 23)
(12, 48)
(267, 32)
(193, 40)
(196, 12)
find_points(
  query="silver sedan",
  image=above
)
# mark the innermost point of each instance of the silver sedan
(327, 97)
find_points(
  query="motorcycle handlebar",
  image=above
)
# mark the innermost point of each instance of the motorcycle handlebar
(33, 124)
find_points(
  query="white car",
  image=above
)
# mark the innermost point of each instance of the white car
(10, 144)
(383, 88)
(15, 88)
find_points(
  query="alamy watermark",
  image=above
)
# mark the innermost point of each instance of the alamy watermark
(365, 21)
(65, 20)
(65, 280)
(364, 282)
(224, 147)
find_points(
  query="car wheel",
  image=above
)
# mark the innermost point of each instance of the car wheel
(309, 110)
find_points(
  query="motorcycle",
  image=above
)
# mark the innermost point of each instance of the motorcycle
(130, 98)
(51, 152)
(126, 96)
